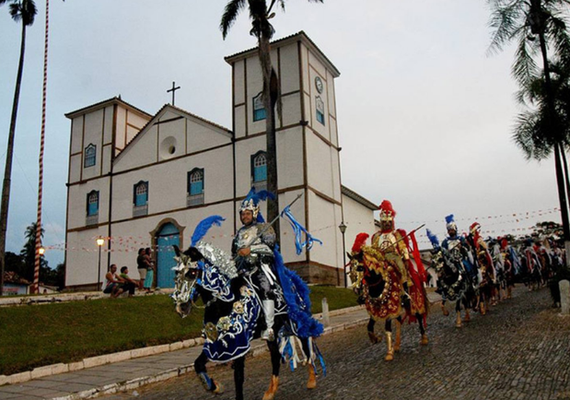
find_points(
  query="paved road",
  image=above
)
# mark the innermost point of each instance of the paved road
(520, 350)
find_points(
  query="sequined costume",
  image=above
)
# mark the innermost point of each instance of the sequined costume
(395, 248)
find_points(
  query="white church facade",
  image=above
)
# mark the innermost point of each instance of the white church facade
(139, 180)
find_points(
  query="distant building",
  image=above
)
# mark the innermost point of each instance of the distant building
(141, 180)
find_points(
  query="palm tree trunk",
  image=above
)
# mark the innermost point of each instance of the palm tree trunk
(557, 158)
(566, 178)
(271, 143)
(8, 169)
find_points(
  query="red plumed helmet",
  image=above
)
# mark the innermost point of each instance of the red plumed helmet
(359, 242)
(386, 207)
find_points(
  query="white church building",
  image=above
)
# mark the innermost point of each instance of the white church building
(139, 180)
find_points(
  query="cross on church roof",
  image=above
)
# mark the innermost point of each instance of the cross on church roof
(173, 90)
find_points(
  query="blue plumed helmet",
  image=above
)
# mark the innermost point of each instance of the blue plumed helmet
(450, 223)
(251, 202)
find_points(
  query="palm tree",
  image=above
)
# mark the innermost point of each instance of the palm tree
(260, 14)
(23, 11)
(525, 20)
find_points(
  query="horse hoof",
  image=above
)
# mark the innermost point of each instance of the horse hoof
(444, 311)
(458, 325)
(312, 382)
(389, 357)
(219, 388)
(467, 318)
(268, 396)
(424, 340)
(374, 339)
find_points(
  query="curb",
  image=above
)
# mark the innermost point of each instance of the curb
(56, 369)
(255, 351)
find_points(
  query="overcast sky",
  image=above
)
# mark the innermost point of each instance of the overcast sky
(424, 113)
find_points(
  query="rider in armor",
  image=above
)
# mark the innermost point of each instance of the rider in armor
(253, 246)
(390, 243)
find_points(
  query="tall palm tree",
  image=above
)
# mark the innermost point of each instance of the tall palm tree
(260, 14)
(23, 11)
(525, 21)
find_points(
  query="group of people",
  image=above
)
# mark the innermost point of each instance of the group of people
(119, 283)
(490, 267)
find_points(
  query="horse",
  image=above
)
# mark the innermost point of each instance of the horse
(454, 284)
(233, 317)
(378, 284)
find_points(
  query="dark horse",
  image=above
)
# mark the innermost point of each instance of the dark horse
(232, 318)
(377, 282)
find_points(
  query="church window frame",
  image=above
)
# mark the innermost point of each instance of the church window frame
(140, 199)
(90, 156)
(320, 107)
(92, 208)
(195, 187)
(259, 170)
(259, 113)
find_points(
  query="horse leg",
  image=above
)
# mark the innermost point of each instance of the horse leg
(275, 365)
(424, 340)
(388, 330)
(458, 323)
(467, 315)
(398, 340)
(312, 381)
(239, 376)
(443, 309)
(200, 368)
(371, 335)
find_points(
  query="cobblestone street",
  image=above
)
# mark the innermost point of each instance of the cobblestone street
(520, 350)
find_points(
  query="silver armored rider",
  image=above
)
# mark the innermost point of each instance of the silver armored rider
(253, 249)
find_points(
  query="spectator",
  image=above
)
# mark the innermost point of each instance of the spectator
(127, 283)
(113, 285)
(142, 267)
(150, 271)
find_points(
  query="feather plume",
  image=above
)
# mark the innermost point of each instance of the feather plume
(359, 242)
(204, 226)
(433, 239)
(449, 219)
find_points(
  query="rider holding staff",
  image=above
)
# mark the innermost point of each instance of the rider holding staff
(253, 246)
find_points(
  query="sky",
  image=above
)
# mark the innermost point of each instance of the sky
(425, 113)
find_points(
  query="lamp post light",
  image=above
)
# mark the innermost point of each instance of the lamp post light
(100, 243)
(41, 251)
(342, 228)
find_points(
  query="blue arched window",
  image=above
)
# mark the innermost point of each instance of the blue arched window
(320, 106)
(92, 203)
(90, 156)
(140, 193)
(196, 181)
(259, 167)
(258, 108)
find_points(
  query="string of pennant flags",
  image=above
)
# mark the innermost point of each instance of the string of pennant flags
(131, 244)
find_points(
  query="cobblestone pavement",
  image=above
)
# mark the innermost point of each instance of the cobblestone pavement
(520, 350)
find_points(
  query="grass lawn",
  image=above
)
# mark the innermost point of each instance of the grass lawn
(33, 336)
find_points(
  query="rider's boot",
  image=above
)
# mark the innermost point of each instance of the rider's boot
(312, 382)
(269, 312)
(424, 340)
(444, 310)
(273, 385)
(390, 353)
(458, 320)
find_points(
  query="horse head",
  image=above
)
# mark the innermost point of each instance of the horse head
(186, 275)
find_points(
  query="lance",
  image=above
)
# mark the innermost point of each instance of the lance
(404, 237)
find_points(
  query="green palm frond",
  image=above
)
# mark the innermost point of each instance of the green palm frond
(229, 17)
(24, 10)
(505, 19)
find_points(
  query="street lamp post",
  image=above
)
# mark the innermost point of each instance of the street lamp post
(342, 228)
(100, 243)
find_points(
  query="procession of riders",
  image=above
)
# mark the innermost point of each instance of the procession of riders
(251, 293)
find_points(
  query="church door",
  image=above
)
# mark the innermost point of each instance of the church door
(167, 236)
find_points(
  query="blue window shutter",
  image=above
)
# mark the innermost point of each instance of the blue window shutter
(260, 173)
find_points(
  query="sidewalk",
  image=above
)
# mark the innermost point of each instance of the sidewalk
(128, 375)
